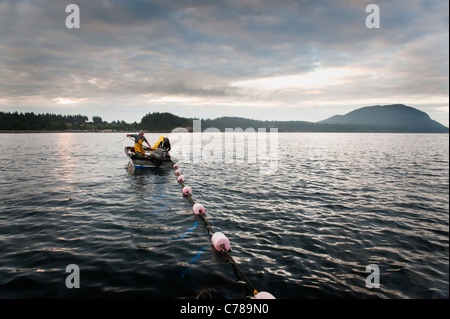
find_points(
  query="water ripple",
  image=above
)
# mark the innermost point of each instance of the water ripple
(337, 203)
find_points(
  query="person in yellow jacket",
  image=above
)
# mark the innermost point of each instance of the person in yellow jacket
(163, 143)
(139, 139)
(158, 143)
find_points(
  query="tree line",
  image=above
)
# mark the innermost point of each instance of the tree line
(56, 122)
(152, 122)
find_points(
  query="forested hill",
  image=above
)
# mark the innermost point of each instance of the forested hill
(392, 118)
(396, 118)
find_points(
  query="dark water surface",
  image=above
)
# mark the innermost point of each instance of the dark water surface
(336, 203)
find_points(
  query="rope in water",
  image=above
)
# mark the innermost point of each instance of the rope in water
(200, 210)
(125, 139)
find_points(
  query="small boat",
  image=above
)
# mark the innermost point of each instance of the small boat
(153, 158)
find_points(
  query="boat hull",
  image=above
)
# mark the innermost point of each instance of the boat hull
(138, 162)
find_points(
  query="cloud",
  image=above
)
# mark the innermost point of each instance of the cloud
(257, 54)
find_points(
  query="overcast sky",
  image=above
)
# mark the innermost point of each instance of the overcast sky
(261, 59)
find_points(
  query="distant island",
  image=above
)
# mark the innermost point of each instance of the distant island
(397, 118)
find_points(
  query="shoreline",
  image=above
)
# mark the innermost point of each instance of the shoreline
(59, 131)
(166, 132)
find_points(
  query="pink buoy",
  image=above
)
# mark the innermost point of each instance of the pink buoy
(175, 166)
(177, 172)
(187, 191)
(180, 179)
(264, 295)
(198, 209)
(219, 239)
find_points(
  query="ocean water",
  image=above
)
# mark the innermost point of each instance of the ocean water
(334, 204)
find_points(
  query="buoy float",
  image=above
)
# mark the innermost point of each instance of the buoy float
(264, 295)
(187, 191)
(219, 239)
(198, 209)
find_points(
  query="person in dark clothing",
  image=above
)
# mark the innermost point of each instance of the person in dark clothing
(166, 145)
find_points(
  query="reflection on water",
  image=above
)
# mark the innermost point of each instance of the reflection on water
(337, 203)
